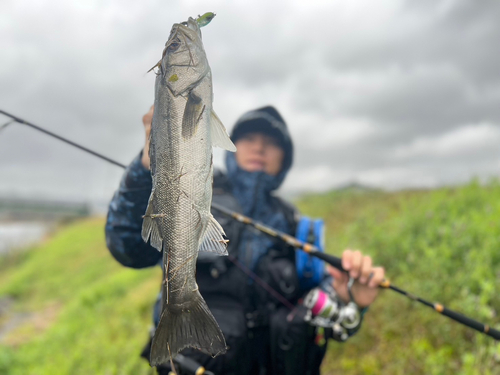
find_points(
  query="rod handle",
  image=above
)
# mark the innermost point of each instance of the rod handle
(189, 365)
(330, 259)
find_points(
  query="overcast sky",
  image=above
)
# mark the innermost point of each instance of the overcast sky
(392, 94)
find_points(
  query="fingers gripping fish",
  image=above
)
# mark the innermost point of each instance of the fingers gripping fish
(178, 219)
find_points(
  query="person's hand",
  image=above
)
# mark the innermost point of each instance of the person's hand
(147, 119)
(359, 267)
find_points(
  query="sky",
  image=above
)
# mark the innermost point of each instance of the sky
(390, 94)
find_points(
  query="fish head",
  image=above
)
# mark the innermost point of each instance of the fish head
(184, 62)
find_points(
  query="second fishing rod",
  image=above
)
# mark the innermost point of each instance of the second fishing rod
(293, 242)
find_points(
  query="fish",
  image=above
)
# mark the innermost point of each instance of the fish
(178, 220)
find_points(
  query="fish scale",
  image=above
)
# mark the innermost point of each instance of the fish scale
(178, 219)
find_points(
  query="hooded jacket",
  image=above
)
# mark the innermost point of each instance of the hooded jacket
(252, 320)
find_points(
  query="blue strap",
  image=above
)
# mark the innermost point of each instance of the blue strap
(310, 270)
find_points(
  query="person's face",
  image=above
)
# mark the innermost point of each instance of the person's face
(259, 152)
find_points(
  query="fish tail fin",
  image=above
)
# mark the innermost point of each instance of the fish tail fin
(192, 325)
(150, 227)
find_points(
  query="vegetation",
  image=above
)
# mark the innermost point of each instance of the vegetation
(69, 308)
(442, 245)
(80, 311)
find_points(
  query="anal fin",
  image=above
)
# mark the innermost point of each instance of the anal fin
(215, 240)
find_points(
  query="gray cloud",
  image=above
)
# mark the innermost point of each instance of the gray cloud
(369, 89)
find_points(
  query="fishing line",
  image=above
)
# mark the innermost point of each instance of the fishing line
(295, 243)
(6, 124)
(261, 282)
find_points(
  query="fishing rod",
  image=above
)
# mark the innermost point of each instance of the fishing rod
(24, 122)
(297, 244)
(337, 263)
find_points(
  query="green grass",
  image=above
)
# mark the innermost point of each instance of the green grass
(441, 245)
(83, 313)
(89, 315)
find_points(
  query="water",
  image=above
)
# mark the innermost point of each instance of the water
(17, 235)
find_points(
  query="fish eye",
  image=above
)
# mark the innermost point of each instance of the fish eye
(174, 46)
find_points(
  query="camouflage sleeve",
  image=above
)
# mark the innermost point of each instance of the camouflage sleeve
(124, 220)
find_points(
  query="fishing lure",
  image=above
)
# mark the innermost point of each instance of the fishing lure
(205, 19)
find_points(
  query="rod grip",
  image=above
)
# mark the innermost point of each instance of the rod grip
(189, 365)
(330, 259)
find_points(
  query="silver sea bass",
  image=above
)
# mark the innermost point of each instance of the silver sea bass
(178, 219)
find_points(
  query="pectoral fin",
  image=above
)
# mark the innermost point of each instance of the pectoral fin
(220, 138)
(192, 114)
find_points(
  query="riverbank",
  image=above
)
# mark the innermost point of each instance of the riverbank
(15, 235)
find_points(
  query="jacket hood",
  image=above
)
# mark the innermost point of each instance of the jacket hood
(266, 120)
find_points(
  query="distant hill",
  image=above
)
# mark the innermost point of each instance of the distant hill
(355, 186)
(348, 187)
(32, 209)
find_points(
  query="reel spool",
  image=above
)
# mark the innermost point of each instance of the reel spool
(325, 311)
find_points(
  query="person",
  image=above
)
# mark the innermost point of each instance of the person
(265, 333)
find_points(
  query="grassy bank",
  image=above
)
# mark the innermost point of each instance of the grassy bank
(69, 308)
(442, 245)
(78, 310)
